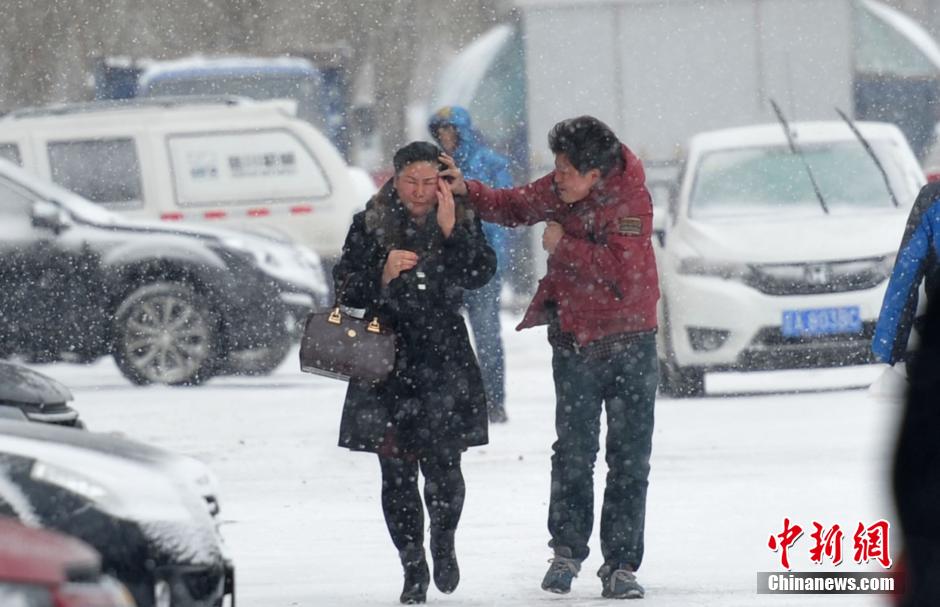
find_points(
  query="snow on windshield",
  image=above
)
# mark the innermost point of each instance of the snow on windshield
(774, 179)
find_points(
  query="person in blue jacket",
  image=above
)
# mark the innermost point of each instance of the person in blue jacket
(453, 130)
(917, 260)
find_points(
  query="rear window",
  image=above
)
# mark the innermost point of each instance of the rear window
(750, 181)
(250, 167)
(106, 171)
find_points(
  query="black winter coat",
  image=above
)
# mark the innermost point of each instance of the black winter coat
(434, 399)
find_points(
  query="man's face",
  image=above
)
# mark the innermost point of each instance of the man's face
(417, 187)
(571, 185)
(447, 137)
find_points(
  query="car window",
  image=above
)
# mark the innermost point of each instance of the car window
(250, 167)
(14, 202)
(106, 171)
(11, 152)
(749, 181)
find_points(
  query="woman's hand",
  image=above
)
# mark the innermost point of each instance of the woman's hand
(446, 211)
(398, 261)
(453, 175)
(550, 237)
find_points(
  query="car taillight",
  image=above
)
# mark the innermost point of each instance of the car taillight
(24, 595)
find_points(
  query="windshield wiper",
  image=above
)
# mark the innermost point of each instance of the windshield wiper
(871, 152)
(796, 150)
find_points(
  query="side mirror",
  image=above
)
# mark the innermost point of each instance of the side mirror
(48, 215)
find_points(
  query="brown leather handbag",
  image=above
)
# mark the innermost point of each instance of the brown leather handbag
(344, 347)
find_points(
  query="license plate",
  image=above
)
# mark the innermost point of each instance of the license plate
(821, 321)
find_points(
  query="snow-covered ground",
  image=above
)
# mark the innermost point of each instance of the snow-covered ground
(305, 527)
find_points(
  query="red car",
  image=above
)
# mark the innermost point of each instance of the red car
(40, 568)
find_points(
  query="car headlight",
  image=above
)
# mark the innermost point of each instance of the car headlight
(24, 595)
(309, 257)
(263, 258)
(697, 266)
(74, 482)
(117, 592)
(887, 263)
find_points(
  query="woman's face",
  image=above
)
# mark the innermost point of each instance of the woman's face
(417, 187)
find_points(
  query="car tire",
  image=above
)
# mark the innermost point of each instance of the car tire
(165, 333)
(681, 382)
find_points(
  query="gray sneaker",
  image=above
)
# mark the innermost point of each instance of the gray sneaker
(619, 583)
(563, 569)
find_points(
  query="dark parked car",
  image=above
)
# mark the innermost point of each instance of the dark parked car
(135, 504)
(28, 395)
(172, 305)
(40, 568)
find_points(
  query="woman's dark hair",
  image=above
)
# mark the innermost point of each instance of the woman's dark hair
(588, 143)
(416, 151)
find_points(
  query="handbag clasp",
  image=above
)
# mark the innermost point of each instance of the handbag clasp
(373, 327)
(335, 317)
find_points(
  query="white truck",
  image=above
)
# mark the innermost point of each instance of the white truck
(660, 71)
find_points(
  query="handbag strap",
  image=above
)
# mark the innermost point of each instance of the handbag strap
(336, 317)
(338, 295)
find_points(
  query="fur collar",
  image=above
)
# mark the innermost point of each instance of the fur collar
(387, 218)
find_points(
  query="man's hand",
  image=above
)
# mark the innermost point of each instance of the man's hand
(550, 237)
(453, 175)
(446, 212)
(398, 261)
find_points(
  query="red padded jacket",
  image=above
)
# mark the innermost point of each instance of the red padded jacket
(602, 276)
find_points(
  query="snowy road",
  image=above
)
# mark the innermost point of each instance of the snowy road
(304, 523)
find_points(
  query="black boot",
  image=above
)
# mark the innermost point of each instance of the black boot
(446, 571)
(417, 577)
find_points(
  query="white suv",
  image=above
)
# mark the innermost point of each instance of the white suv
(760, 272)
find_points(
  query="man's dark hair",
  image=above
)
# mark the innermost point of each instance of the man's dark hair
(416, 151)
(588, 143)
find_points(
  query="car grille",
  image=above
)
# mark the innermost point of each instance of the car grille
(770, 337)
(771, 350)
(817, 278)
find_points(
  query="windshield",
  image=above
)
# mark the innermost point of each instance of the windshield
(750, 181)
(304, 90)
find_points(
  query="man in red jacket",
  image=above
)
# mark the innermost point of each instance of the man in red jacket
(598, 298)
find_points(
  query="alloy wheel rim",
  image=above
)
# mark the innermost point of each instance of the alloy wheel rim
(166, 339)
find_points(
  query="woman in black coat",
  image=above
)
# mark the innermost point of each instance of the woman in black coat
(407, 259)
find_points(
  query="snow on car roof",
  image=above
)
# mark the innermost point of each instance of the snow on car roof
(772, 134)
(197, 65)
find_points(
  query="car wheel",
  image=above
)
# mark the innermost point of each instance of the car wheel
(165, 333)
(258, 361)
(681, 382)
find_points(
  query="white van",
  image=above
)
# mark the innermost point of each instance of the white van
(228, 161)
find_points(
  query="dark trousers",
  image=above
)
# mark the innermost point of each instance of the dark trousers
(626, 383)
(401, 503)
